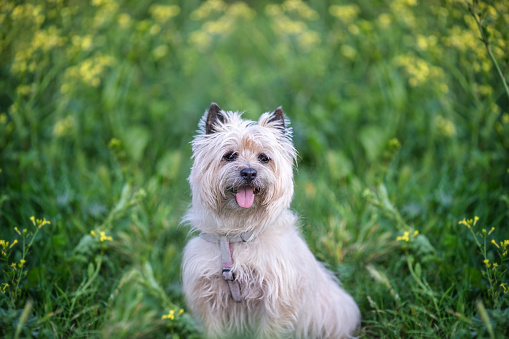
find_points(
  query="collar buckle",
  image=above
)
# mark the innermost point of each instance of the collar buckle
(228, 274)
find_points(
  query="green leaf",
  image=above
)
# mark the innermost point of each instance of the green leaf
(135, 140)
(418, 270)
(90, 271)
(373, 140)
(340, 165)
(169, 165)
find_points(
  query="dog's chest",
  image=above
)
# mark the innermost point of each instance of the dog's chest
(256, 269)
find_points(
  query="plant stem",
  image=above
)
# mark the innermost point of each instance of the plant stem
(484, 39)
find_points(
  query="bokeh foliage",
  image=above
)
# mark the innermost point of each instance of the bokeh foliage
(400, 118)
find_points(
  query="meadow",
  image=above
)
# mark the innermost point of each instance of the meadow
(400, 111)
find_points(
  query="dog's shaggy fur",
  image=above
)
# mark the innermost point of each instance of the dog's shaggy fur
(286, 292)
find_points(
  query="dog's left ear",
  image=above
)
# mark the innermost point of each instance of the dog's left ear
(277, 117)
(213, 117)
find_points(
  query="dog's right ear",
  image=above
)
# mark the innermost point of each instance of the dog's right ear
(277, 119)
(213, 117)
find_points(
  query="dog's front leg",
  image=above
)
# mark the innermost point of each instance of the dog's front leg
(208, 298)
(277, 319)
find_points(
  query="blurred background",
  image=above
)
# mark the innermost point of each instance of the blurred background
(400, 111)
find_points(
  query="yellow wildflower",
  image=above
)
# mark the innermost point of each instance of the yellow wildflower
(385, 20)
(445, 126)
(4, 287)
(348, 51)
(503, 285)
(104, 237)
(487, 263)
(181, 311)
(464, 222)
(160, 52)
(21, 263)
(308, 39)
(93, 233)
(33, 220)
(13, 243)
(200, 39)
(404, 237)
(17, 231)
(415, 234)
(170, 315)
(124, 20)
(42, 222)
(494, 243)
(154, 29)
(492, 229)
(354, 29)
(162, 13)
(346, 13)
(63, 126)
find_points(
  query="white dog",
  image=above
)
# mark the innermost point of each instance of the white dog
(250, 273)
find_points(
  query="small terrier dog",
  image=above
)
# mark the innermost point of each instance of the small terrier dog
(250, 273)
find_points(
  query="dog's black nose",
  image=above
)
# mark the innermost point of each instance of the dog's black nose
(248, 174)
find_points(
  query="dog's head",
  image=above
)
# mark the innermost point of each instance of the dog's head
(242, 168)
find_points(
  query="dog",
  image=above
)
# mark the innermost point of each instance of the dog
(250, 273)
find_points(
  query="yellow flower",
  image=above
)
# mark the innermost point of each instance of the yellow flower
(93, 233)
(346, 13)
(384, 19)
(42, 222)
(404, 237)
(155, 29)
(21, 263)
(494, 243)
(353, 29)
(33, 220)
(16, 229)
(63, 126)
(487, 263)
(124, 20)
(503, 285)
(5, 285)
(181, 311)
(13, 243)
(200, 39)
(415, 234)
(492, 229)
(162, 13)
(170, 315)
(445, 126)
(160, 52)
(104, 237)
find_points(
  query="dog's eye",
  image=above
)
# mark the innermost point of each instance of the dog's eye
(231, 156)
(263, 158)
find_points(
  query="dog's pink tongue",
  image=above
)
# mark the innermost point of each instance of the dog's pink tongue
(245, 196)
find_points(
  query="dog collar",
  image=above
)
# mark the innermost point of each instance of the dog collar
(226, 247)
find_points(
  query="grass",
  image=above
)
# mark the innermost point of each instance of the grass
(401, 120)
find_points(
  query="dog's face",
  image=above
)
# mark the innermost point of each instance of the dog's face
(242, 167)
